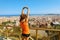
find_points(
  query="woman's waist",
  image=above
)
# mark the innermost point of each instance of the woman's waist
(26, 32)
(25, 29)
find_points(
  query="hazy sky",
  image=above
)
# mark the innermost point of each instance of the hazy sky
(14, 7)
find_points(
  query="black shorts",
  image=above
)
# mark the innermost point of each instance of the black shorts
(25, 35)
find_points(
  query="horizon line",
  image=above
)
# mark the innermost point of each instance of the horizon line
(33, 14)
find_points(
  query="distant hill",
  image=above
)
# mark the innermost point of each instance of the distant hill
(42, 14)
(52, 14)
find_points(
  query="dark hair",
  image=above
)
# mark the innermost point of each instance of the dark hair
(22, 17)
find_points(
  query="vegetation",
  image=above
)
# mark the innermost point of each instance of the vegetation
(13, 33)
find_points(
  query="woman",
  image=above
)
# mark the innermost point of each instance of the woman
(24, 25)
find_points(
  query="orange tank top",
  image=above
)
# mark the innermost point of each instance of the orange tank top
(25, 27)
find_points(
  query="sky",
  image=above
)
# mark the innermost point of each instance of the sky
(14, 7)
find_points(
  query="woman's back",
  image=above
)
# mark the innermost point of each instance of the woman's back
(25, 27)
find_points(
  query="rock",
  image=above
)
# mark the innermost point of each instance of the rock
(7, 39)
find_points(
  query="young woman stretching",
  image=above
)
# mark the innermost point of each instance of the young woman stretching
(24, 25)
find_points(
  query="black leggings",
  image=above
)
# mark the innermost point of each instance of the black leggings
(26, 35)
